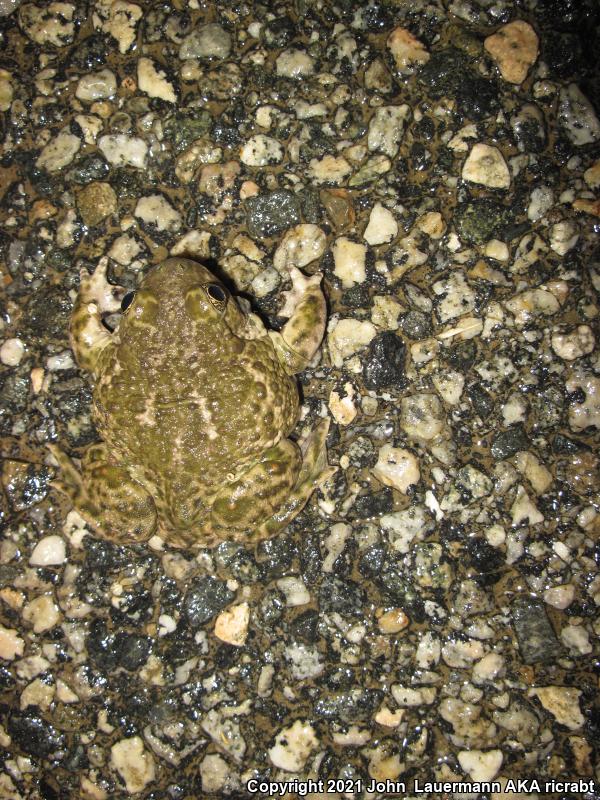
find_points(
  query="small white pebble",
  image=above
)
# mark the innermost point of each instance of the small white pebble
(577, 639)
(11, 352)
(397, 467)
(11, 645)
(480, 765)
(295, 591)
(349, 259)
(49, 551)
(293, 746)
(42, 612)
(486, 165)
(96, 86)
(570, 346)
(60, 361)
(488, 668)
(166, 624)
(382, 227)
(134, 763)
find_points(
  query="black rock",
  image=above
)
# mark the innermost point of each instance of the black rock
(368, 506)
(48, 313)
(205, 598)
(509, 442)
(482, 401)
(563, 445)
(416, 324)
(476, 97)
(357, 704)
(275, 556)
(356, 297)
(90, 53)
(480, 219)
(372, 561)
(311, 559)
(103, 556)
(101, 648)
(401, 592)
(132, 651)
(278, 32)
(88, 169)
(271, 213)
(384, 363)
(185, 126)
(305, 626)
(483, 556)
(272, 608)
(34, 735)
(345, 597)
(444, 72)
(535, 635)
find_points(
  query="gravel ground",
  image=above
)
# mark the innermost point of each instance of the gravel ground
(432, 614)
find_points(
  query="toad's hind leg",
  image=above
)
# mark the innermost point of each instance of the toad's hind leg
(314, 472)
(244, 503)
(266, 498)
(106, 496)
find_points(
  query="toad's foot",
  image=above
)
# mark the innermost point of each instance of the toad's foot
(115, 506)
(96, 297)
(95, 288)
(302, 334)
(314, 472)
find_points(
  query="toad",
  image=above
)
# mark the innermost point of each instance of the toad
(194, 401)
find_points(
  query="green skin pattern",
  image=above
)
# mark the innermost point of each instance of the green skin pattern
(194, 401)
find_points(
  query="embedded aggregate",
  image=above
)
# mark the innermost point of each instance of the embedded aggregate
(433, 612)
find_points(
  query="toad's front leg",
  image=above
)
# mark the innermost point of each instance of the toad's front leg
(302, 334)
(96, 297)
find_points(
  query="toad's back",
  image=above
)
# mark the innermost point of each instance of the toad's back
(169, 411)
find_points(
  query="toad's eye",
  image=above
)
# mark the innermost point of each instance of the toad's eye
(216, 294)
(127, 301)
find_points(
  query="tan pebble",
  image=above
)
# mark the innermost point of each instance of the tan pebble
(129, 84)
(497, 250)
(96, 202)
(592, 175)
(42, 612)
(432, 223)
(37, 379)
(407, 51)
(102, 108)
(343, 408)
(387, 718)
(134, 763)
(231, 625)
(248, 189)
(514, 48)
(37, 693)
(41, 209)
(392, 621)
(591, 207)
(582, 753)
(562, 702)
(12, 597)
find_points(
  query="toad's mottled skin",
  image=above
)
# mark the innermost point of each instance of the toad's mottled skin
(194, 401)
